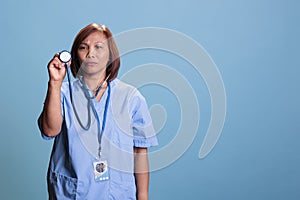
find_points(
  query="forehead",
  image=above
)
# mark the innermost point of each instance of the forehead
(95, 37)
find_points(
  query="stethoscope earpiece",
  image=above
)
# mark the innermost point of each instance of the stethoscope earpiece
(64, 56)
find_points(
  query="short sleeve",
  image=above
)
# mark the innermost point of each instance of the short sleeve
(143, 131)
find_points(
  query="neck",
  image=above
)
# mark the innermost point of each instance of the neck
(94, 82)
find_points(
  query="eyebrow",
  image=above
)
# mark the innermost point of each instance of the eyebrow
(95, 43)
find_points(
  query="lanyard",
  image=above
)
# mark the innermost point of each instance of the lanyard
(100, 133)
(91, 104)
(89, 98)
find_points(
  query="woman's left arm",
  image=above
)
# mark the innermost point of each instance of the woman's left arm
(141, 172)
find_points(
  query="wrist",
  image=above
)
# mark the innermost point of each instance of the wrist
(54, 84)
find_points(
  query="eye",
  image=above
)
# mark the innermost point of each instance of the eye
(82, 47)
(99, 46)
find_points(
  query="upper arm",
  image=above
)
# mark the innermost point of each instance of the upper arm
(40, 121)
(143, 130)
(142, 150)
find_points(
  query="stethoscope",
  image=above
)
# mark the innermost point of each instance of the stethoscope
(65, 57)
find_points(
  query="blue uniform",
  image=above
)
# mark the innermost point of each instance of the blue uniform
(128, 125)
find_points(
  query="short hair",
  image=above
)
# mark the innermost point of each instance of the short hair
(113, 64)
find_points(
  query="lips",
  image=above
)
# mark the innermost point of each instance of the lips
(90, 63)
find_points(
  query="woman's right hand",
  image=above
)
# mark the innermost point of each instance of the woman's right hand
(52, 113)
(56, 69)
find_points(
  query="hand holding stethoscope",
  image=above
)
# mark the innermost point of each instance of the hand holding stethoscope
(56, 67)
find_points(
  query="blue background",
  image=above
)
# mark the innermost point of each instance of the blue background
(255, 45)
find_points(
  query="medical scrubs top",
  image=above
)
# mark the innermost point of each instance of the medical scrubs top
(128, 125)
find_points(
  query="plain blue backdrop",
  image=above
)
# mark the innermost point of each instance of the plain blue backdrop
(255, 45)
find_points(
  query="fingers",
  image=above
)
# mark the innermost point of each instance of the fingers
(56, 55)
(55, 62)
(56, 69)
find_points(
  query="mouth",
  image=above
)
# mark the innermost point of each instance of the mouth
(90, 63)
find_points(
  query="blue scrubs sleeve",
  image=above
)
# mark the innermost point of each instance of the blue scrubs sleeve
(143, 130)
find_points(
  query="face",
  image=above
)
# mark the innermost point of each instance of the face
(93, 54)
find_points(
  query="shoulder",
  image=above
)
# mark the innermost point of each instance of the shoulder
(117, 84)
(121, 88)
(126, 94)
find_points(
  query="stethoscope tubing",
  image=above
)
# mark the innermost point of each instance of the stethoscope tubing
(90, 105)
(65, 57)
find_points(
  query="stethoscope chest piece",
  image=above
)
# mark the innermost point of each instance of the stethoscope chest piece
(64, 56)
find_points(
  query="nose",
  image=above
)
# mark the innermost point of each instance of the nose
(91, 53)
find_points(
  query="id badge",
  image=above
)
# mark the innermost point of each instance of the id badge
(101, 170)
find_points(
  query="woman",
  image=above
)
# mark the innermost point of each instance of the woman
(102, 126)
